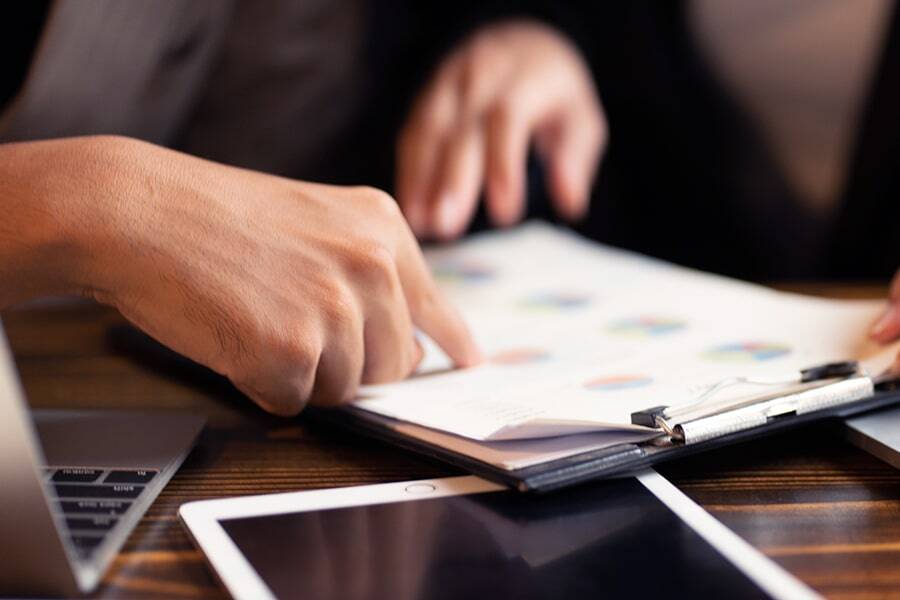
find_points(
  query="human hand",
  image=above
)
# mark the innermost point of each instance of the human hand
(297, 292)
(470, 130)
(887, 328)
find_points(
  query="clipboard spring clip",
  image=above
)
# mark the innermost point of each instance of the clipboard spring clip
(798, 392)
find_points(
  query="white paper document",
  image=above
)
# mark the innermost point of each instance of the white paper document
(578, 336)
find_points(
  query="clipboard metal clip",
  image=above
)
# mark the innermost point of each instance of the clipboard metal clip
(797, 393)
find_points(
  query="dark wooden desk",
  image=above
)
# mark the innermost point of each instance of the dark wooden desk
(826, 511)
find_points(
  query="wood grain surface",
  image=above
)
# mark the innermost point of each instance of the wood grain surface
(827, 512)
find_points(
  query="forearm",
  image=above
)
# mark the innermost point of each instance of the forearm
(45, 214)
(298, 292)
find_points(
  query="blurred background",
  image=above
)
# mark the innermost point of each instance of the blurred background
(755, 138)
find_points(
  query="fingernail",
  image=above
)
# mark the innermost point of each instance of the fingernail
(890, 316)
(446, 216)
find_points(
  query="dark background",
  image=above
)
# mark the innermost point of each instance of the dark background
(685, 176)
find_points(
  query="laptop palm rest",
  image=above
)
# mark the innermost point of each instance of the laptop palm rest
(102, 470)
(877, 433)
(128, 440)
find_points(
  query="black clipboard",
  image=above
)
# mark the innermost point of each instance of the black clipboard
(611, 461)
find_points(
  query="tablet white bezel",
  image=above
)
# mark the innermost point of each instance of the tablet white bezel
(201, 519)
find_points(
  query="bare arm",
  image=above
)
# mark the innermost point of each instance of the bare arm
(42, 248)
(297, 292)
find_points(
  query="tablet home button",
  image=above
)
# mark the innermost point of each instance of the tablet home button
(420, 488)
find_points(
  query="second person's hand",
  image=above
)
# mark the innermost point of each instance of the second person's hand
(508, 85)
(887, 328)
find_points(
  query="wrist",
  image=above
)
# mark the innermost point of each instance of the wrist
(52, 239)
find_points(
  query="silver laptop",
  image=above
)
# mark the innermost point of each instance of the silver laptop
(73, 484)
(877, 433)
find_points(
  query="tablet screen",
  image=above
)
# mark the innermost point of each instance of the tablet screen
(610, 539)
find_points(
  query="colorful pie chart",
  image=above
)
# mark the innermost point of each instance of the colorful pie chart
(747, 352)
(618, 382)
(646, 326)
(463, 271)
(557, 301)
(519, 356)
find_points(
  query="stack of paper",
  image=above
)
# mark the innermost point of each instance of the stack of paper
(578, 336)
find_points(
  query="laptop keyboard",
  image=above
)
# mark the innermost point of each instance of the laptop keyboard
(91, 501)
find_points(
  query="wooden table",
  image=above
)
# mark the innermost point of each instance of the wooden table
(827, 512)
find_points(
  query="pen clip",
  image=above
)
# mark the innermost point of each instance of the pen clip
(889, 379)
(668, 418)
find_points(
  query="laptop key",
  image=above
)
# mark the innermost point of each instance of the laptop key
(64, 490)
(93, 523)
(137, 476)
(76, 475)
(86, 543)
(111, 507)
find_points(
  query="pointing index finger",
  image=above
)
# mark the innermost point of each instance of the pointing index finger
(430, 310)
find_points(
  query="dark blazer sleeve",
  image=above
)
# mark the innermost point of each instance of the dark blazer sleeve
(865, 240)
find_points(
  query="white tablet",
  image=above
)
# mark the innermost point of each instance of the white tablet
(463, 537)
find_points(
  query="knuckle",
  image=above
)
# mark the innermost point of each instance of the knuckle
(288, 386)
(297, 353)
(289, 403)
(372, 265)
(274, 395)
(379, 201)
(379, 261)
(340, 312)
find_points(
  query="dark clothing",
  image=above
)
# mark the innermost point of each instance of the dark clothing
(686, 177)
(315, 89)
(20, 29)
(865, 241)
(264, 84)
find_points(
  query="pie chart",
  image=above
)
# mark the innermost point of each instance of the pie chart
(752, 351)
(618, 382)
(463, 271)
(557, 301)
(519, 356)
(646, 326)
